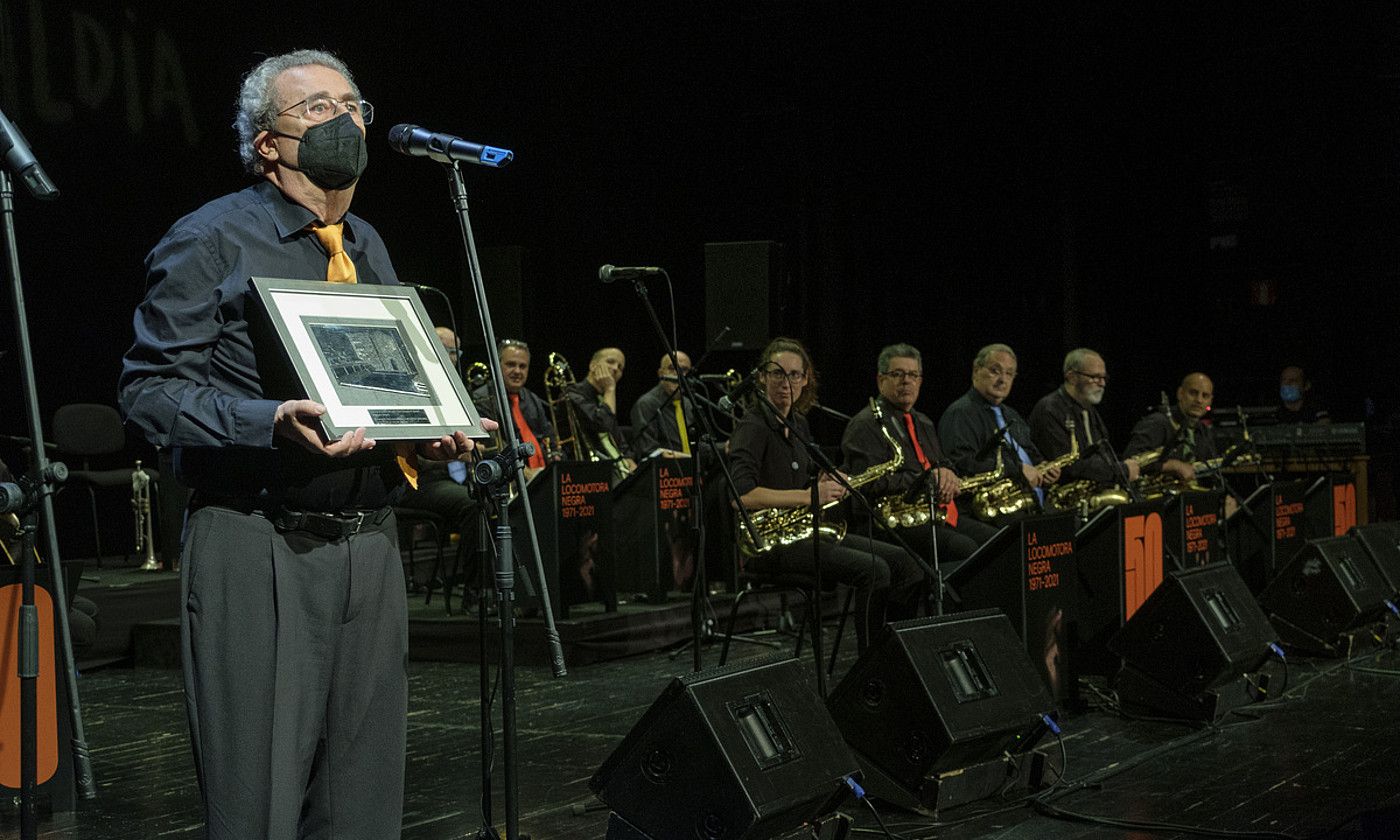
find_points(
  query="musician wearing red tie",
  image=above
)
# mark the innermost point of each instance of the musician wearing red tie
(899, 377)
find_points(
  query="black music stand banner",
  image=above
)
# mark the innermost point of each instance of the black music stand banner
(1027, 571)
(1195, 534)
(572, 504)
(1121, 556)
(653, 511)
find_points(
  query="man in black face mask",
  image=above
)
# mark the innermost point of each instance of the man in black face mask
(294, 628)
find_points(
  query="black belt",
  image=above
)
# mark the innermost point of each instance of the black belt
(327, 526)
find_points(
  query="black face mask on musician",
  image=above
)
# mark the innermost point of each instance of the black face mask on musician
(333, 154)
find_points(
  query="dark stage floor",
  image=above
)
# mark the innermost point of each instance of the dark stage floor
(1305, 765)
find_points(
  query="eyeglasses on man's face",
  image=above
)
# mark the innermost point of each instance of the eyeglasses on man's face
(1100, 378)
(904, 375)
(318, 109)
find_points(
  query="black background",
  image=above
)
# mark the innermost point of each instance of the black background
(947, 174)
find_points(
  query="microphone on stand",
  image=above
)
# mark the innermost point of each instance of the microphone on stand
(444, 148)
(609, 273)
(740, 391)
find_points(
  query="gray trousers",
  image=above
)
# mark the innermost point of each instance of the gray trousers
(295, 654)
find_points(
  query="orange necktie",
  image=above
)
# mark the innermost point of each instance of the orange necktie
(340, 269)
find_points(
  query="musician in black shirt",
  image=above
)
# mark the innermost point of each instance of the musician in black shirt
(899, 377)
(1086, 377)
(969, 424)
(771, 470)
(1178, 432)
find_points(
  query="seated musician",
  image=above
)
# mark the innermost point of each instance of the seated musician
(771, 470)
(1297, 402)
(1086, 377)
(1179, 433)
(594, 403)
(528, 411)
(444, 487)
(969, 424)
(660, 417)
(898, 378)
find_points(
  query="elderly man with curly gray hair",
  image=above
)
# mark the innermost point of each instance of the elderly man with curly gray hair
(294, 625)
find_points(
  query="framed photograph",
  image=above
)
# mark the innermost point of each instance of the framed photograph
(369, 354)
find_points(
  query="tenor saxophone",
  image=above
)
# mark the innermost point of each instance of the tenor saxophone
(784, 526)
(1010, 496)
(1166, 484)
(897, 513)
(1087, 496)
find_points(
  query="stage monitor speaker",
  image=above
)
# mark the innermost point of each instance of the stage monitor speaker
(1382, 542)
(938, 694)
(1197, 633)
(1328, 588)
(742, 752)
(742, 280)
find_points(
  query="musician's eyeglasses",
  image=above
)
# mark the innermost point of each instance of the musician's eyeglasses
(795, 377)
(1101, 378)
(997, 372)
(904, 375)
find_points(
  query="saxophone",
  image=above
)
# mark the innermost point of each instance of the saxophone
(898, 513)
(784, 526)
(1087, 496)
(1166, 484)
(1010, 496)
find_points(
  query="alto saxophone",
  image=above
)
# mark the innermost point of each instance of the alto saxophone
(1088, 496)
(141, 508)
(898, 513)
(1010, 496)
(1166, 484)
(784, 526)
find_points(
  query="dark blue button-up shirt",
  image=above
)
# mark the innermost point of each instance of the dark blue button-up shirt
(205, 374)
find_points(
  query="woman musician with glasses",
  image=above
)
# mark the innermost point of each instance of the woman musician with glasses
(773, 471)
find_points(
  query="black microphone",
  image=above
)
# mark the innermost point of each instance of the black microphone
(444, 148)
(921, 485)
(992, 443)
(609, 273)
(20, 160)
(740, 391)
(488, 471)
(15, 498)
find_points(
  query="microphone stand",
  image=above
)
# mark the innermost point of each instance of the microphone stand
(82, 766)
(699, 584)
(505, 558)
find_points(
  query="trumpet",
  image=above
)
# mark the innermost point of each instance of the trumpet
(141, 509)
(478, 375)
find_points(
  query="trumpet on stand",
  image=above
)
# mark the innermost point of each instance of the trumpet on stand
(141, 508)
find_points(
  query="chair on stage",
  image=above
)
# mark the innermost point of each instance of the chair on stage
(410, 520)
(784, 584)
(90, 431)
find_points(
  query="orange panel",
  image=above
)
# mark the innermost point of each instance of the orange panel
(45, 686)
(1142, 560)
